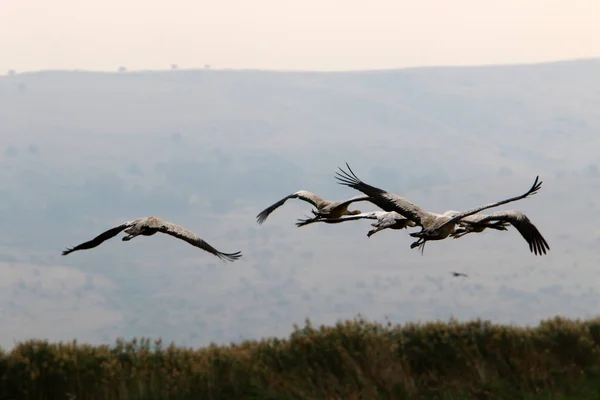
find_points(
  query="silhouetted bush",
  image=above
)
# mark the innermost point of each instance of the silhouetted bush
(351, 360)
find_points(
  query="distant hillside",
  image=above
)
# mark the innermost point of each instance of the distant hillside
(209, 149)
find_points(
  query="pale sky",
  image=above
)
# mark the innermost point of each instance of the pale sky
(284, 35)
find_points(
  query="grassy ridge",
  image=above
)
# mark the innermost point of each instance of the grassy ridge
(559, 359)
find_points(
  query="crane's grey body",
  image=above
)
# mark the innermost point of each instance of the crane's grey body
(325, 208)
(148, 226)
(434, 226)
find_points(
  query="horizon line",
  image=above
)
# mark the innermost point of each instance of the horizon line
(208, 67)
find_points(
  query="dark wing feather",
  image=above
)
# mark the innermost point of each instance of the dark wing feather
(533, 190)
(194, 240)
(384, 200)
(537, 243)
(301, 194)
(98, 239)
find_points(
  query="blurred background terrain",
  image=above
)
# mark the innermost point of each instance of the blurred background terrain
(209, 149)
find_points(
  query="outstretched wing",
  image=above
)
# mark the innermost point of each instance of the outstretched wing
(300, 194)
(354, 199)
(194, 240)
(367, 215)
(537, 243)
(533, 190)
(384, 200)
(98, 239)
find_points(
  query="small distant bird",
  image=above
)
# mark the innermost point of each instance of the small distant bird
(148, 226)
(459, 274)
(326, 208)
(434, 226)
(385, 220)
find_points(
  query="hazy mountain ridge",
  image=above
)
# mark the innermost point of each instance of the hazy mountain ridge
(210, 149)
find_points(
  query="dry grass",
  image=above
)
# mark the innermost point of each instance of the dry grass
(351, 360)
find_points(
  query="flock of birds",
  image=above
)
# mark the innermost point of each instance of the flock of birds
(398, 213)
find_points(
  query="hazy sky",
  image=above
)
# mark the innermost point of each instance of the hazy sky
(283, 34)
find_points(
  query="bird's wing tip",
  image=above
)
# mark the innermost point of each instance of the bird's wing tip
(231, 256)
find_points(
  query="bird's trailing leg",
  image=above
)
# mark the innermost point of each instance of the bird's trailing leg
(374, 231)
(422, 235)
(459, 233)
(306, 221)
(129, 237)
(318, 214)
(420, 244)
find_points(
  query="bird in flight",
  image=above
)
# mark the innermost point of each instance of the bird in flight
(434, 226)
(148, 226)
(479, 222)
(326, 208)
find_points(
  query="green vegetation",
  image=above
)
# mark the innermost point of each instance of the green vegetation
(559, 359)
